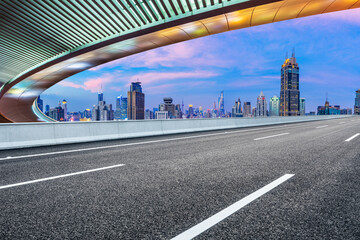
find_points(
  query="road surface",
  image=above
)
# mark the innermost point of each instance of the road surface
(293, 181)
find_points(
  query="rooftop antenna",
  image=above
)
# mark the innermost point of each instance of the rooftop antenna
(286, 55)
(293, 52)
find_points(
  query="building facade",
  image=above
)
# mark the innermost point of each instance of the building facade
(237, 110)
(302, 106)
(102, 111)
(168, 106)
(357, 103)
(136, 102)
(289, 92)
(261, 106)
(247, 109)
(221, 104)
(274, 106)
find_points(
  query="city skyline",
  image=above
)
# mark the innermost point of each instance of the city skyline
(195, 73)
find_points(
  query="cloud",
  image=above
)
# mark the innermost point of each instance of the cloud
(91, 84)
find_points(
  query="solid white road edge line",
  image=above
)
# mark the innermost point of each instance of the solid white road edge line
(59, 176)
(351, 138)
(277, 135)
(322, 126)
(139, 143)
(215, 219)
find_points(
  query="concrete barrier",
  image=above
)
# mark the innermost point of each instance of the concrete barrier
(19, 135)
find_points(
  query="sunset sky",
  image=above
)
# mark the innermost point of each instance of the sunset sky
(241, 63)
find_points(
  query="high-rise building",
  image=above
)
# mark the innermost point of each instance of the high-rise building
(178, 111)
(123, 108)
(261, 106)
(64, 106)
(47, 109)
(102, 111)
(168, 106)
(328, 110)
(40, 103)
(357, 103)
(191, 111)
(117, 114)
(302, 106)
(274, 106)
(136, 102)
(289, 92)
(221, 104)
(149, 114)
(247, 109)
(236, 110)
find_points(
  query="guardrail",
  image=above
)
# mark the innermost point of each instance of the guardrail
(19, 135)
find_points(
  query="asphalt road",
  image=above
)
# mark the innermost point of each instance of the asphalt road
(160, 187)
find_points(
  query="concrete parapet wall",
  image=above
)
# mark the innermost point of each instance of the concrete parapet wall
(19, 135)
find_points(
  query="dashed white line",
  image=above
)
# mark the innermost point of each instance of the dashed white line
(213, 220)
(351, 138)
(322, 126)
(277, 135)
(341, 122)
(59, 176)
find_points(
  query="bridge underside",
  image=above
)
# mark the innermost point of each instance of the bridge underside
(36, 56)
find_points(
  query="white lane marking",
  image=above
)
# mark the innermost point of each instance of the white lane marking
(59, 176)
(322, 126)
(341, 122)
(215, 219)
(277, 135)
(140, 143)
(351, 138)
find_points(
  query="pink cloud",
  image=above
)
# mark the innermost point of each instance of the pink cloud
(92, 84)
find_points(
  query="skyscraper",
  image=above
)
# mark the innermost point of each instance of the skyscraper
(221, 104)
(261, 106)
(302, 106)
(274, 106)
(357, 103)
(102, 111)
(289, 92)
(237, 111)
(117, 114)
(136, 102)
(40, 103)
(64, 106)
(247, 109)
(123, 108)
(168, 106)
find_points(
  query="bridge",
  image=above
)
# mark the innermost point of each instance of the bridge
(44, 42)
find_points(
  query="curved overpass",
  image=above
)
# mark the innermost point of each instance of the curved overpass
(43, 42)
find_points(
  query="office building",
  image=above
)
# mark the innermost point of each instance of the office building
(247, 109)
(161, 115)
(274, 106)
(302, 106)
(149, 114)
(40, 104)
(357, 103)
(221, 104)
(236, 110)
(64, 106)
(102, 111)
(261, 106)
(168, 106)
(289, 92)
(136, 102)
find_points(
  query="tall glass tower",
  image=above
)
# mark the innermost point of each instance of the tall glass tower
(289, 92)
(274, 106)
(357, 103)
(221, 104)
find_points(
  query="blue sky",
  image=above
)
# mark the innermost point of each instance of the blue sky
(241, 63)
